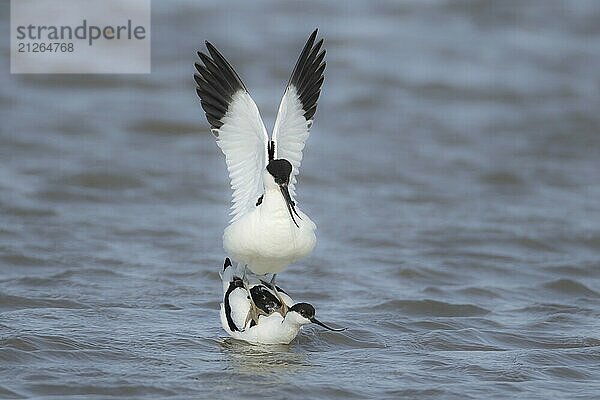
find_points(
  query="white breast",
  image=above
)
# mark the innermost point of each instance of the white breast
(266, 239)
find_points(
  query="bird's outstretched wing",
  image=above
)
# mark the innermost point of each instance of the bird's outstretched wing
(237, 126)
(298, 106)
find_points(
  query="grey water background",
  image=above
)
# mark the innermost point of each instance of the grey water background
(453, 170)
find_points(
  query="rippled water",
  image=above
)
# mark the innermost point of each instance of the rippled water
(453, 171)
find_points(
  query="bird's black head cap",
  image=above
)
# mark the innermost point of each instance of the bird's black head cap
(280, 170)
(304, 309)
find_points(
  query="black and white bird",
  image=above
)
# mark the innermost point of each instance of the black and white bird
(257, 312)
(268, 231)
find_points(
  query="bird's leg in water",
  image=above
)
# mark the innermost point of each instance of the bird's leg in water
(254, 312)
(252, 316)
(284, 307)
(245, 279)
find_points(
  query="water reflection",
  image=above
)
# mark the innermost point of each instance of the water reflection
(262, 360)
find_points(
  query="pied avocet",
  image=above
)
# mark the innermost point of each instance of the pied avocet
(253, 312)
(268, 231)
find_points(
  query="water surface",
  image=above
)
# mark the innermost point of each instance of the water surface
(453, 171)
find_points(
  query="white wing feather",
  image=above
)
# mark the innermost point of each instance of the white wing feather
(290, 133)
(243, 139)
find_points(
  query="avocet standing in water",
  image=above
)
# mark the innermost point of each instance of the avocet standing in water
(253, 312)
(268, 231)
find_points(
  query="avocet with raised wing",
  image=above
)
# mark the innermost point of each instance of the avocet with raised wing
(268, 231)
(258, 312)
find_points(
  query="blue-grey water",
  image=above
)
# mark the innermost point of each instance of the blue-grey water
(453, 170)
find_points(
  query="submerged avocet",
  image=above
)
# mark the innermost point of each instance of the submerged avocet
(268, 231)
(251, 311)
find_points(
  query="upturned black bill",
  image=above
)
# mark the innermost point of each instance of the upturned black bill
(289, 203)
(316, 321)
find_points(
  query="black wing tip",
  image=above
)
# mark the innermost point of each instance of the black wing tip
(308, 74)
(216, 82)
(211, 48)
